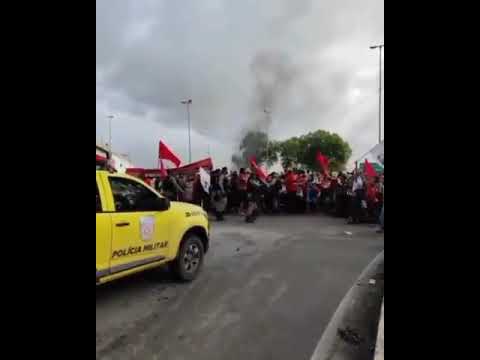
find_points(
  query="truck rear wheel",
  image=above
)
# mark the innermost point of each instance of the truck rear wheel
(190, 258)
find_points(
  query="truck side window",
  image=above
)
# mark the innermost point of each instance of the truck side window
(129, 195)
(99, 201)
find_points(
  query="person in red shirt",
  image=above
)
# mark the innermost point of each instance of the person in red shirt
(302, 181)
(372, 192)
(373, 200)
(291, 181)
(291, 185)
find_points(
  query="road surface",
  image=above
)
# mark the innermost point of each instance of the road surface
(267, 291)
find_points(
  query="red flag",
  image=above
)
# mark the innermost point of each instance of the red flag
(323, 161)
(369, 169)
(164, 152)
(258, 170)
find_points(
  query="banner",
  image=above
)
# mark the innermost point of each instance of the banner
(193, 168)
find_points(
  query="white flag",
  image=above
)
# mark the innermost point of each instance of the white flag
(205, 180)
(378, 153)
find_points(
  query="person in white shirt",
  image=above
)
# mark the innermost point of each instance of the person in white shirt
(357, 182)
(358, 190)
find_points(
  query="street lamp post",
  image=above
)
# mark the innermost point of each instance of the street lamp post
(267, 113)
(110, 117)
(380, 47)
(188, 103)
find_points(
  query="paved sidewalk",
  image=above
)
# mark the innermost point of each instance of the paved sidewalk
(379, 350)
(353, 330)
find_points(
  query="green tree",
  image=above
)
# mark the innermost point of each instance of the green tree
(303, 150)
(296, 151)
(290, 152)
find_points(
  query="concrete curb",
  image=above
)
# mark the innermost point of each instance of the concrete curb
(379, 350)
(359, 310)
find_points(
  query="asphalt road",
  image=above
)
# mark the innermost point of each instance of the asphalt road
(267, 291)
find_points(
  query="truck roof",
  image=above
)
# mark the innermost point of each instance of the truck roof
(127, 176)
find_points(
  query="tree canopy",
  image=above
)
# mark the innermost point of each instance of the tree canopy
(296, 151)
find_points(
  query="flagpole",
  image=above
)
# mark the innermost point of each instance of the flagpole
(189, 134)
(380, 47)
(110, 117)
(162, 168)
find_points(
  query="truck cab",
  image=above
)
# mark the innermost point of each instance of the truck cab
(138, 229)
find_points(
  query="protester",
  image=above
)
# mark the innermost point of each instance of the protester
(242, 188)
(171, 189)
(373, 198)
(301, 198)
(253, 198)
(157, 183)
(381, 218)
(188, 193)
(272, 196)
(233, 194)
(218, 195)
(341, 197)
(333, 190)
(313, 192)
(225, 179)
(198, 192)
(358, 195)
(291, 187)
(325, 192)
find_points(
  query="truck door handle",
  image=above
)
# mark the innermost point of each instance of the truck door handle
(122, 224)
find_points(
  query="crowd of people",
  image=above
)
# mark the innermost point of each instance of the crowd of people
(354, 196)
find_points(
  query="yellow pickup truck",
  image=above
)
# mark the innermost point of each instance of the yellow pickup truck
(138, 229)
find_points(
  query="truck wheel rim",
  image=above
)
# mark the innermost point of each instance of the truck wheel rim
(191, 258)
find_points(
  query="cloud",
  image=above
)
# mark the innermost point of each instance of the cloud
(301, 59)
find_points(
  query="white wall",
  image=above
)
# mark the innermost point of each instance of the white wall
(121, 163)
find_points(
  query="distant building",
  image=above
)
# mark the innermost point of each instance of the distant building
(102, 156)
(119, 162)
(102, 152)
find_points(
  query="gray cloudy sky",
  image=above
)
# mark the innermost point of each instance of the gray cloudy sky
(307, 61)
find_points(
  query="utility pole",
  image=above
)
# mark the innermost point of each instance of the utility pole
(110, 117)
(267, 113)
(188, 103)
(380, 48)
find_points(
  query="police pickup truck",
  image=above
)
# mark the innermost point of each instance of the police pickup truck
(138, 229)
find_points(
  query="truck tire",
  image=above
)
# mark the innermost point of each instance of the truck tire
(190, 258)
